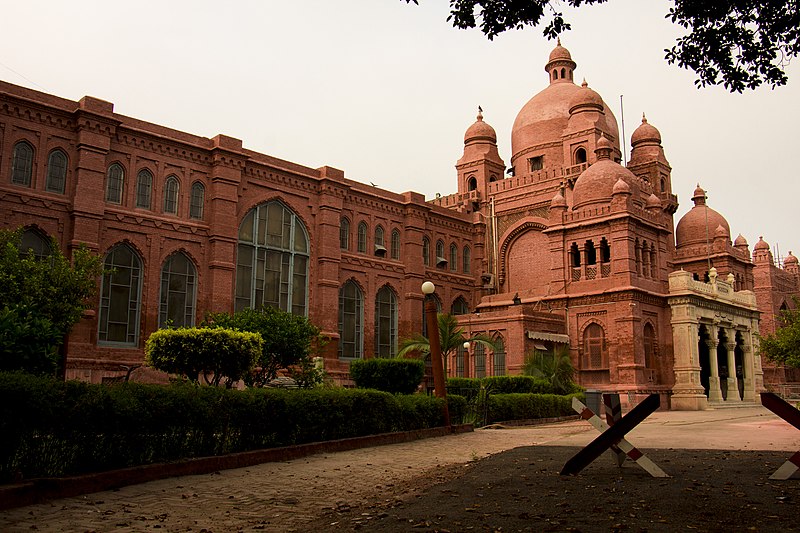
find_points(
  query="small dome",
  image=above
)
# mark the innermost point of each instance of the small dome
(740, 241)
(621, 187)
(645, 132)
(761, 245)
(558, 201)
(585, 98)
(696, 226)
(653, 202)
(790, 259)
(559, 53)
(480, 131)
(720, 231)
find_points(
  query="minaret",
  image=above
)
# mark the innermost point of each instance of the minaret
(481, 163)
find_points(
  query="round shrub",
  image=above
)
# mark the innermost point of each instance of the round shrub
(398, 376)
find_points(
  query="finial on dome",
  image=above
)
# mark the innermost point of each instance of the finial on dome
(558, 40)
(699, 196)
(584, 84)
(644, 118)
(480, 113)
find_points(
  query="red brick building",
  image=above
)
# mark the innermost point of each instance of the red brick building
(565, 248)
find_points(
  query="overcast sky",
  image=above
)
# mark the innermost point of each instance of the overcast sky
(384, 90)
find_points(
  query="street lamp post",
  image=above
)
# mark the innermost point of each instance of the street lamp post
(439, 387)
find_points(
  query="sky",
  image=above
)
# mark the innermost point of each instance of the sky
(385, 90)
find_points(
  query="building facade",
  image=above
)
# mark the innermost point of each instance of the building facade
(566, 249)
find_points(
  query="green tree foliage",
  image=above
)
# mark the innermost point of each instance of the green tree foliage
(214, 353)
(41, 298)
(556, 368)
(740, 44)
(783, 346)
(398, 376)
(290, 341)
(451, 336)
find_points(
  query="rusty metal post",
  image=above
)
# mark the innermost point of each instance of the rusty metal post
(440, 388)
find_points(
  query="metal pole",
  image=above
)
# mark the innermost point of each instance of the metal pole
(440, 390)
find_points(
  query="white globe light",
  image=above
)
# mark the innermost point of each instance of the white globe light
(428, 287)
(466, 345)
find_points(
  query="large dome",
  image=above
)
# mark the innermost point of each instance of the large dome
(544, 117)
(700, 224)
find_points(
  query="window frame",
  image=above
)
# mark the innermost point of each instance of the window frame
(22, 164)
(52, 168)
(112, 181)
(144, 189)
(171, 196)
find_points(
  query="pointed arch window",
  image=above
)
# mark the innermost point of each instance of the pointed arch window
(351, 321)
(144, 189)
(459, 307)
(385, 323)
(605, 251)
(56, 172)
(178, 292)
(120, 297)
(472, 184)
(197, 201)
(499, 357)
(22, 164)
(395, 244)
(362, 237)
(114, 183)
(272, 260)
(426, 251)
(453, 257)
(171, 187)
(461, 353)
(34, 241)
(466, 257)
(580, 156)
(344, 233)
(441, 261)
(595, 356)
(480, 360)
(380, 241)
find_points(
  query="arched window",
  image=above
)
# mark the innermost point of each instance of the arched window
(605, 251)
(563, 73)
(653, 263)
(466, 258)
(591, 253)
(645, 255)
(272, 260)
(56, 172)
(555, 74)
(351, 319)
(362, 237)
(380, 244)
(144, 189)
(459, 307)
(197, 201)
(426, 251)
(33, 241)
(22, 164)
(178, 292)
(472, 184)
(395, 244)
(120, 297)
(574, 255)
(650, 346)
(594, 348)
(580, 156)
(171, 195)
(344, 233)
(114, 184)
(499, 357)
(480, 360)
(441, 261)
(461, 352)
(385, 323)
(453, 257)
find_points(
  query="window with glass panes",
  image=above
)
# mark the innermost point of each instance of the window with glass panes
(499, 357)
(351, 321)
(114, 183)
(480, 360)
(120, 297)
(22, 164)
(197, 201)
(344, 234)
(395, 244)
(171, 195)
(178, 292)
(385, 323)
(144, 189)
(362, 237)
(56, 172)
(594, 356)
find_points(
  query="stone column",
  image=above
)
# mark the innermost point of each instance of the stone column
(687, 393)
(748, 368)
(714, 390)
(733, 384)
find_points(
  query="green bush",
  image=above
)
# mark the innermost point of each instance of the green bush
(520, 406)
(398, 376)
(193, 351)
(466, 387)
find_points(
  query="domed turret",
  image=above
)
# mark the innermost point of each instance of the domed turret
(790, 260)
(480, 131)
(761, 245)
(740, 241)
(585, 98)
(598, 183)
(653, 202)
(700, 223)
(645, 133)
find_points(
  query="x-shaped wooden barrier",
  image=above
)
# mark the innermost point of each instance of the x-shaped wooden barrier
(783, 409)
(614, 436)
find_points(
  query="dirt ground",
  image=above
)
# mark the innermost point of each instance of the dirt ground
(521, 490)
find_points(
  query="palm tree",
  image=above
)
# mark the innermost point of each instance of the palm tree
(555, 367)
(451, 337)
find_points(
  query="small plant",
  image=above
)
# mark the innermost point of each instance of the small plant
(556, 368)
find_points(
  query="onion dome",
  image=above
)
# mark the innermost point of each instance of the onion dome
(598, 183)
(559, 53)
(653, 202)
(558, 201)
(585, 99)
(700, 223)
(720, 231)
(644, 133)
(761, 245)
(480, 131)
(621, 187)
(790, 260)
(740, 241)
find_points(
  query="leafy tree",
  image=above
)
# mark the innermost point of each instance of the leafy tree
(555, 367)
(290, 342)
(739, 44)
(783, 346)
(451, 337)
(41, 298)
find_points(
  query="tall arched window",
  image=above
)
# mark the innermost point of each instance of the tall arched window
(351, 321)
(574, 255)
(466, 257)
(34, 241)
(605, 251)
(459, 307)
(272, 260)
(114, 184)
(594, 348)
(480, 360)
(380, 242)
(441, 261)
(461, 352)
(144, 189)
(385, 323)
(120, 297)
(395, 245)
(426, 251)
(472, 184)
(197, 201)
(178, 292)
(171, 195)
(22, 164)
(453, 257)
(362, 237)
(344, 233)
(56, 172)
(499, 357)
(580, 156)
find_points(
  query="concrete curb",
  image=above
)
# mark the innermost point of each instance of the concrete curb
(43, 489)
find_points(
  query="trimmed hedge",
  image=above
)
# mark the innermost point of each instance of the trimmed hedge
(398, 376)
(504, 385)
(54, 428)
(521, 406)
